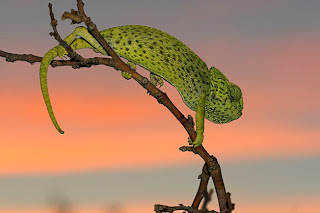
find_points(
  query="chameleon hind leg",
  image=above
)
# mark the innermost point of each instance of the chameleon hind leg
(79, 43)
(86, 40)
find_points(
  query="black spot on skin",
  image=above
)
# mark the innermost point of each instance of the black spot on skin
(135, 51)
(144, 51)
(117, 42)
(151, 47)
(161, 52)
(154, 43)
(129, 42)
(137, 41)
(140, 45)
(140, 54)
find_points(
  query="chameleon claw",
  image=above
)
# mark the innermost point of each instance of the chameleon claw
(198, 140)
(126, 75)
(160, 83)
(62, 53)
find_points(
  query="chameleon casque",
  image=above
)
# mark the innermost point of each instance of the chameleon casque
(206, 91)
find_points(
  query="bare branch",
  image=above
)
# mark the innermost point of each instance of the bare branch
(211, 164)
(163, 208)
(202, 191)
(30, 58)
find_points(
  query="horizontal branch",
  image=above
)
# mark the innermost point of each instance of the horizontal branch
(30, 58)
(163, 208)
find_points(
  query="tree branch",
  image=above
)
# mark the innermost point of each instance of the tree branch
(163, 208)
(211, 164)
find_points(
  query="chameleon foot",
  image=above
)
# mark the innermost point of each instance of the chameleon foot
(198, 140)
(62, 53)
(126, 75)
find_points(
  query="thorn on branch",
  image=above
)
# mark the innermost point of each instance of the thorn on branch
(189, 149)
(190, 121)
(74, 16)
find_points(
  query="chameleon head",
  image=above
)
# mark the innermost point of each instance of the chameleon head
(224, 101)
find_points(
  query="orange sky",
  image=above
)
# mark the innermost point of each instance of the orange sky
(101, 127)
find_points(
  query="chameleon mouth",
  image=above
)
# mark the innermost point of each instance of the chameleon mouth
(236, 101)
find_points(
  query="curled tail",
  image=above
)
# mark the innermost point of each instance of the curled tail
(47, 59)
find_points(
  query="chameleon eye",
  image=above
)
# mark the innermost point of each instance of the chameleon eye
(232, 98)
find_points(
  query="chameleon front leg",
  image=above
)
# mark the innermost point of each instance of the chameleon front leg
(200, 120)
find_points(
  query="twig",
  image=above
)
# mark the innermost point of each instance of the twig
(30, 58)
(71, 53)
(202, 191)
(163, 208)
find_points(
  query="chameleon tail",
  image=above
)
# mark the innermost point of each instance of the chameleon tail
(47, 59)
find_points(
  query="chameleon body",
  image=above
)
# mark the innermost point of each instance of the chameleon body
(206, 91)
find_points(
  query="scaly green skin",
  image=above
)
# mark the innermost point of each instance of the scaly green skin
(206, 91)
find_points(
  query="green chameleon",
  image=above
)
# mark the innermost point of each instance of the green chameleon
(206, 91)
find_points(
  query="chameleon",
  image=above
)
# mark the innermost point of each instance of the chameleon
(204, 90)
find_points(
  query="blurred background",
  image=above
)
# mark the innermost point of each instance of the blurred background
(120, 151)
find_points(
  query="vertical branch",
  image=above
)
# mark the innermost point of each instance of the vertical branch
(202, 191)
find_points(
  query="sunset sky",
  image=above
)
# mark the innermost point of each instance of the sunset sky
(121, 148)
